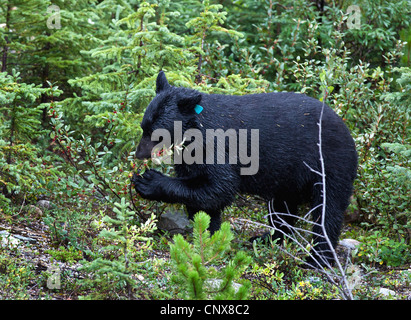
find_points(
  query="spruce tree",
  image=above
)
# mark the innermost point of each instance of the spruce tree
(20, 126)
(43, 39)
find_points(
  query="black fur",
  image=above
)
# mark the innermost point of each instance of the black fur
(288, 137)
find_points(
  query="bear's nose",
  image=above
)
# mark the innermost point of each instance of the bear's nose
(144, 148)
(141, 152)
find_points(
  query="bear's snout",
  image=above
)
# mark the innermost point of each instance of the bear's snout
(144, 148)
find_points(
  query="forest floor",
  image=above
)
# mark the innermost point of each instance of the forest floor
(29, 256)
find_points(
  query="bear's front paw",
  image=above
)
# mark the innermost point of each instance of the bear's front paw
(148, 184)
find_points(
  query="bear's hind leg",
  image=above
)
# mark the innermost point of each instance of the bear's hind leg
(215, 222)
(327, 231)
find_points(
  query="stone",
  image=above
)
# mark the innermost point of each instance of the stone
(43, 204)
(214, 284)
(387, 292)
(314, 280)
(7, 240)
(26, 239)
(33, 210)
(345, 248)
(13, 239)
(174, 222)
(349, 243)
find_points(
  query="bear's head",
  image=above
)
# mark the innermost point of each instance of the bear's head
(170, 104)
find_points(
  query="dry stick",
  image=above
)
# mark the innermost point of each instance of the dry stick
(346, 292)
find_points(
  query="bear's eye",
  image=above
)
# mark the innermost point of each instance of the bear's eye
(155, 117)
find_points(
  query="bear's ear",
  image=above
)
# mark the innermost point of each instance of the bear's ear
(187, 101)
(161, 82)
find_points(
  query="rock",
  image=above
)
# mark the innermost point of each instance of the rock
(314, 280)
(43, 204)
(33, 210)
(351, 217)
(7, 240)
(387, 292)
(349, 243)
(26, 239)
(214, 284)
(345, 247)
(174, 222)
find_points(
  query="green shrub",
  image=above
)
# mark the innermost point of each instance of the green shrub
(378, 249)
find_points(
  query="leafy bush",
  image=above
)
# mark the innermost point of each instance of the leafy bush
(382, 250)
(15, 278)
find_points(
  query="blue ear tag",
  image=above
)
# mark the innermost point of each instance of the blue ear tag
(198, 108)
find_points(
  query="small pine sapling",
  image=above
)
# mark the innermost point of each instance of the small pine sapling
(197, 264)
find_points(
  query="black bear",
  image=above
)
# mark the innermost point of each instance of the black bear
(277, 133)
